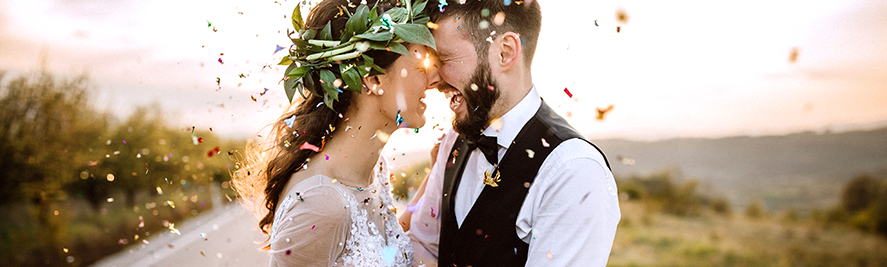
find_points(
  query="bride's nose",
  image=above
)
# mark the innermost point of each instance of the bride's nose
(432, 76)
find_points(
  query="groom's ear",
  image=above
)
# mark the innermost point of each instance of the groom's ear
(509, 47)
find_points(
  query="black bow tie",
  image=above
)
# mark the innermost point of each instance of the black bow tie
(488, 145)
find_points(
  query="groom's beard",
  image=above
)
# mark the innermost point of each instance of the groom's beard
(479, 103)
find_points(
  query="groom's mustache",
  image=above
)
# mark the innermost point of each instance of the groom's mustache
(443, 87)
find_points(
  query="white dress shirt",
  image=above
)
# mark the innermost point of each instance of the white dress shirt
(569, 216)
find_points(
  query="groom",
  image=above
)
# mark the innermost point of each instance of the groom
(515, 185)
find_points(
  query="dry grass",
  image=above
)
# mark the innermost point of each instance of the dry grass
(647, 238)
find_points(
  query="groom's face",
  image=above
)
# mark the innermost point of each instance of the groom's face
(465, 78)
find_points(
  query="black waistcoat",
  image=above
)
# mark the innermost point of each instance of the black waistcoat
(487, 236)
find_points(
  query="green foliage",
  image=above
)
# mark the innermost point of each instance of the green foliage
(863, 205)
(661, 192)
(860, 193)
(72, 178)
(365, 29)
(755, 209)
(712, 240)
(722, 206)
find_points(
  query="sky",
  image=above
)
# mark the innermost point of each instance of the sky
(691, 68)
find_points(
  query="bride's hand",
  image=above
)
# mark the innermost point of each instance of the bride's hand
(405, 217)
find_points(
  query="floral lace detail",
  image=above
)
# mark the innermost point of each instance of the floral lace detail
(366, 247)
(284, 205)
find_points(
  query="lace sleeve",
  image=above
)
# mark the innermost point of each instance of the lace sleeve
(311, 230)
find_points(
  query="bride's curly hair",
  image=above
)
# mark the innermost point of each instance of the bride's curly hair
(259, 178)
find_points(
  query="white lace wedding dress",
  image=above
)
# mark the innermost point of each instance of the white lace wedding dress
(322, 222)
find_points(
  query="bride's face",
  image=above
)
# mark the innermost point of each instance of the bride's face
(403, 87)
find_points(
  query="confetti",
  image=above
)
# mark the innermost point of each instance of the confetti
(172, 229)
(278, 49)
(602, 112)
(417, 130)
(382, 136)
(530, 153)
(312, 227)
(398, 118)
(213, 152)
(441, 6)
(499, 18)
(568, 92)
(545, 143)
(483, 24)
(221, 62)
(171, 204)
(595, 23)
(793, 55)
(253, 98)
(506, 2)
(308, 146)
(200, 140)
(289, 121)
(388, 254)
(261, 94)
(622, 16)
(208, 24)
(618, 29)
(327, 157)
(548, 254)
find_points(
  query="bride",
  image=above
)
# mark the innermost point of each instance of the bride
(320, 179)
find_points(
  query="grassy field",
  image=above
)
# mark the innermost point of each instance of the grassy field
(650, 238)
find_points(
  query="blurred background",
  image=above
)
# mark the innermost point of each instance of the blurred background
(746, 133)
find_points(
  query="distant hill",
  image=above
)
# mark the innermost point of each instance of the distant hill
(803, 170)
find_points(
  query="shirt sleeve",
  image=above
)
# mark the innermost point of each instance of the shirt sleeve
(574, 210)
(312, 232)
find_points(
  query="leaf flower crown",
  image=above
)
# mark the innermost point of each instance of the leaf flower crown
(340, 64)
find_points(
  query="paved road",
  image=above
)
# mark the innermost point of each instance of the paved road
(226, 237)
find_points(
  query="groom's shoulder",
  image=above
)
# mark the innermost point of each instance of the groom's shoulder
(571, 144)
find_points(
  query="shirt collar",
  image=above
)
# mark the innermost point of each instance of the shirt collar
(506, 128)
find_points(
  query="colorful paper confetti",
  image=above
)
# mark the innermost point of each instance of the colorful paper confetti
(308, 146)
(568, 92)
(289, 121)
(601, 112)
(441, 6)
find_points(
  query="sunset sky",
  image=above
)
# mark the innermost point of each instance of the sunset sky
(676, 68)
